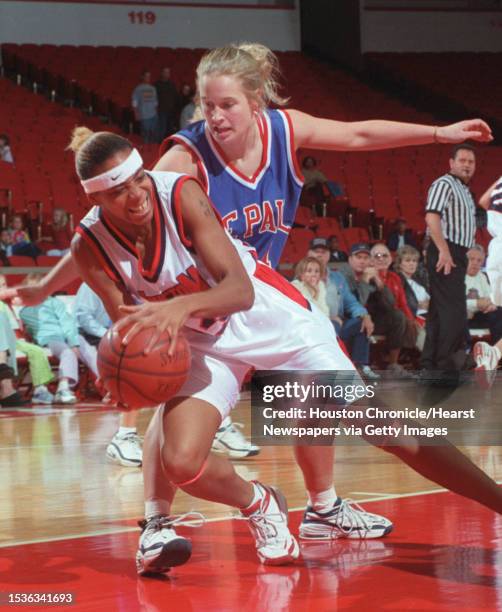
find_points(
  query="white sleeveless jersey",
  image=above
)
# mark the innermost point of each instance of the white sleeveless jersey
(175, 268)
(495, 211)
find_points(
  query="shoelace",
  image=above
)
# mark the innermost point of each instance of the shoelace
(262, 526)
(133, 437)
(159, 522)
(356, 515)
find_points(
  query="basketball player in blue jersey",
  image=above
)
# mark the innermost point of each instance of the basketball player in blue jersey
(245, 156)
(144, 234)
(249, 153)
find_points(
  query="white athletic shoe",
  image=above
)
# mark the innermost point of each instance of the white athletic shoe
(125, 450)
(65, 396)
(160, 547)
(229, 440)
(42, 395)
(487, 358)
(268, 522)
(345, 520)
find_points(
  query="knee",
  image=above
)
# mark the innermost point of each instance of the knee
(181, 464)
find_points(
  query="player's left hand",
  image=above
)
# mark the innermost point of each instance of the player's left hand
(162, 316)
(108, 398)
(470, 129)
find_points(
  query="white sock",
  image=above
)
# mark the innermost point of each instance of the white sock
(63, 385)
(123, 431)
(40, 388)
(256, 496)
(225, 423)
(155, 507)
(322, 501)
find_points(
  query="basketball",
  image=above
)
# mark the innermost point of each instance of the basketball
(138, 380)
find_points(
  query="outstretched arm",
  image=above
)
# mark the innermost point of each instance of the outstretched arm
(63, 273)
(484, 200)
(316, 133)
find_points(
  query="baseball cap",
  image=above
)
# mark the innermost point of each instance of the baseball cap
(360, 247)
(319, 243)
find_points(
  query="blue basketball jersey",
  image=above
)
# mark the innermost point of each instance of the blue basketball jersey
(259, 210)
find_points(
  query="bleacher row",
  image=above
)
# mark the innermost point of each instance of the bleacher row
(471, 80)
(383, 184)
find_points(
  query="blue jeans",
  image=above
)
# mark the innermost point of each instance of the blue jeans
(149, 130)
(355, 340)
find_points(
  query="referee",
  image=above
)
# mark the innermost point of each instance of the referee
(451, 224)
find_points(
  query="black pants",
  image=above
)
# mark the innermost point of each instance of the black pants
(445, 345)
(492, 320)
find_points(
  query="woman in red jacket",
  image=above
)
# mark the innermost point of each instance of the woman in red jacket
(382, 260)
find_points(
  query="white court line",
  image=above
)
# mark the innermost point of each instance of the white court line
(91, 534)
(227, 517)
(371, 494)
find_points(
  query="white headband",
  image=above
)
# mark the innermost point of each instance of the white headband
(115, 176)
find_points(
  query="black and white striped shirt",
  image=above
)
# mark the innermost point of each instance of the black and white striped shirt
(451, 198)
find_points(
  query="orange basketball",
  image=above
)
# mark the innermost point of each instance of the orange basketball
(140, 380)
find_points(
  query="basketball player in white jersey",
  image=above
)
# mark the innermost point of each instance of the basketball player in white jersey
(154, 238)
(236, 86)
(487, 357)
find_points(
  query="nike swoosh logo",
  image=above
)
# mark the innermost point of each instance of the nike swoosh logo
(114, 178)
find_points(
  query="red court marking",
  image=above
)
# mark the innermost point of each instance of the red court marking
(443, 555)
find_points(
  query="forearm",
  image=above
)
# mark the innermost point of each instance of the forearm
(63, 273)
(378, 134)
(433, 222)
(484, 200)
(361, 135)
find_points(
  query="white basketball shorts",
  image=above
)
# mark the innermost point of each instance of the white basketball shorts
(277, 333)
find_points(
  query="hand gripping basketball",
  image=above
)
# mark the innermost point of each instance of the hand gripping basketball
(139, 380)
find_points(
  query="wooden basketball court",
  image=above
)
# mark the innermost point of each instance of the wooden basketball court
(68, 525)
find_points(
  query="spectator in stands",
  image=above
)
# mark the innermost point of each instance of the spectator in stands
(169, 101)
(481, 311)
(9, 247)
(400, 236)
(309, 275)
(406, 264)
(315, 178)
(187, 95)
(93, 322)
(145, 106)
(414, 334)
(60, 233)
(22, 244)
(5, 150)
(9, 397)
(51, 325)
(365, 282)
(187, 113)
(451, 223)
(336, 255)
(38, 363)
(351, 320)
